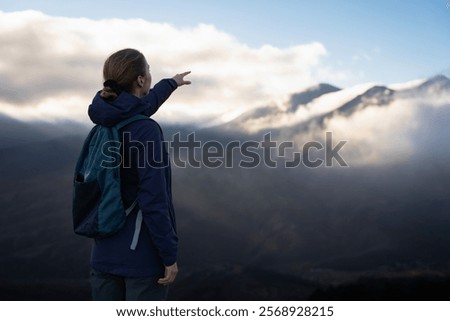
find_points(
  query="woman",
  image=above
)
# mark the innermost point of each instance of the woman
(143, 273)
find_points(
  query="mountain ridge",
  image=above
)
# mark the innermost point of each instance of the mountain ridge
(268, 118)
(308, 95)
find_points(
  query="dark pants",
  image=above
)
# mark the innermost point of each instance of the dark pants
(109, 287)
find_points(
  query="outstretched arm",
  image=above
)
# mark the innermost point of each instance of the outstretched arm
(162, 90)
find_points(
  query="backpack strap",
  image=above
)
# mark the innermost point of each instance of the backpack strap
(127, 121)
(131, 208)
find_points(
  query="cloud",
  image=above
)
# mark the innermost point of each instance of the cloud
(319, 106)
(410, 129)
(60, 59)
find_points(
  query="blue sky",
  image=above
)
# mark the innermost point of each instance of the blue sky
(381, 41)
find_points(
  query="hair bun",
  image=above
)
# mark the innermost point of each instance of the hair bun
(114, 86)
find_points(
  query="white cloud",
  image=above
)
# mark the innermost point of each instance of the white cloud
(45, 58)
(407, 128)
(406, 85)
(319, 106)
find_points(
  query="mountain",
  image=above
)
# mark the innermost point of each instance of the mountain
(265, 117)
(324, 101)
(309, 95)
(438, 83)
(375, 96)
(14, 132)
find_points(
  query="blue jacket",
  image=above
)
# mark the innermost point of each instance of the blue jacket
(145, 175)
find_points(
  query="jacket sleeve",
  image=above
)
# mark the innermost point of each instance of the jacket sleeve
(158, 95)
(153, 196)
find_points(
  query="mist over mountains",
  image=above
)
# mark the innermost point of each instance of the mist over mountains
(261, 233)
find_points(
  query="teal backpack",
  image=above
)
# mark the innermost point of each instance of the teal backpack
(97, 208)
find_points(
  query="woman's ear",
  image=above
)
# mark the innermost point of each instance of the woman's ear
(140, 81)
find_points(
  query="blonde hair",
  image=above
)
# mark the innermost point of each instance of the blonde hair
(122, 68)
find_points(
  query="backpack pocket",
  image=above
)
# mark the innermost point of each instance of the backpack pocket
(86, 199)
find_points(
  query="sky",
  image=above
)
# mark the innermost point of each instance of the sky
(247, 53)
(385, 40)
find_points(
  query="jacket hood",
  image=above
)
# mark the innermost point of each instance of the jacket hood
(108, 113)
